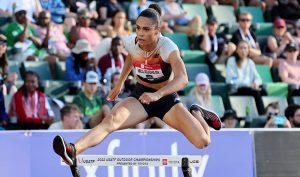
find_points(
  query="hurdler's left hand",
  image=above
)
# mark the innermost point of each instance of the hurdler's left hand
(147, 97)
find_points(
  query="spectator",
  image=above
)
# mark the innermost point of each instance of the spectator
(272, 109)
(117, 26)
(107, 8)
(297, 37)
(274, 119)
(56, 8)
(70, 119)
(52, 36)
(201, 94)
(73, 5)
(289, 69)
(287, 9)
(177, 18)
(234, 3)
(21, 36)
(78, 62)
(125, 92)
(83, 29)
(4, 119)
(230, 119)
(292, 113)
(207, 3)
(30, 105)
(244, 33)
(217, 47)
(137, 7)
(7, 79)
(242, 74)
(91, 106)
(278, 41)
(32, 7)
(114, 60)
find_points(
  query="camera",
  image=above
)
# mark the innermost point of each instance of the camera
(279, 121)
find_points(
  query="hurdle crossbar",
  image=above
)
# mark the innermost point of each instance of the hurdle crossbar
(136, 160)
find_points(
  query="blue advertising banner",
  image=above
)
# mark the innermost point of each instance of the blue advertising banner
(30, 154)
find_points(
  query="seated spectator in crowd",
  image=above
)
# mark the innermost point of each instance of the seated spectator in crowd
(217, 47)
(297, 36)
(272, 109)
(91, 106)
(137, 7)
(292, 113)
(70, 119)
(235, 3)
(289, 69)
(107, 8)
(201, 94)
(277, 42)
(83, 30)
(278, 122)
(56, 8)
(274, 117)
(21, 36)
(117, 26)
(243, 76)
(72, 6)
(114, 60)
(230, 119)
(33, 8)
(125, 92)
(287, 9)
(78, 62)
(7, 79)
(177, 18)
(52, 36)
(244, 33)
(4, 119)
(4, 9)
(207, 3)
(30, 105)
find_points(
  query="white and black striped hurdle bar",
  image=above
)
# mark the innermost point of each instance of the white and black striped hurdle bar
(185, 162)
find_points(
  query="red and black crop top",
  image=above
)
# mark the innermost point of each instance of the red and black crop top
(154, 66)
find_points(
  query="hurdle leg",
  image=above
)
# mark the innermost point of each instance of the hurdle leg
(186, 170)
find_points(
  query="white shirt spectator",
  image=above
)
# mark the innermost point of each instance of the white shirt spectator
(31, 7)
(56, 126)
(244, 76)
(135, 9)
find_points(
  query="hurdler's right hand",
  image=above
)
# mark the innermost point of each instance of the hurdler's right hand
(113, 94)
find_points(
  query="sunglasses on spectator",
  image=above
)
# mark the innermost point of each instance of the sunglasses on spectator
(292, 50)
(86, 18)
(44, 18)
(245, 20)
(2, 42)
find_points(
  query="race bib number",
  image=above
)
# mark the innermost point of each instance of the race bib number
(148, 71)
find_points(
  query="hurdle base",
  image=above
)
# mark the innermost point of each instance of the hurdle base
(186, 170)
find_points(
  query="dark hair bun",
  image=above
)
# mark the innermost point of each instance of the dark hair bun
(156, 8)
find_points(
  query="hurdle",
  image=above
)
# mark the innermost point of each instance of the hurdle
(185, 162)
